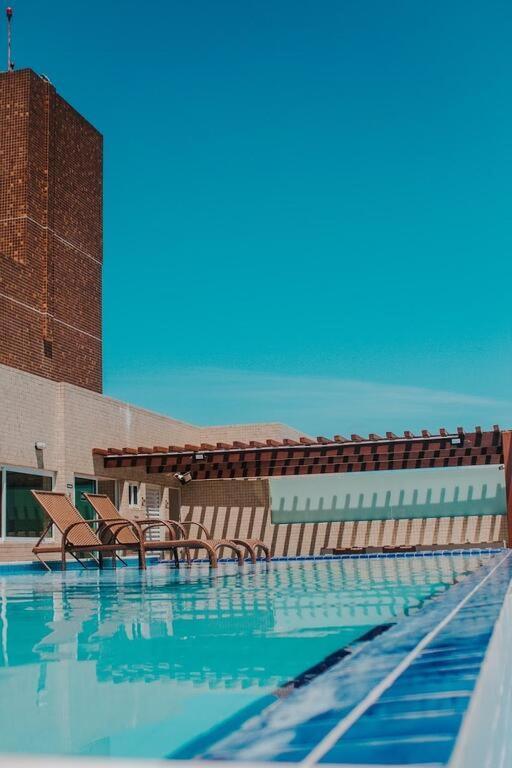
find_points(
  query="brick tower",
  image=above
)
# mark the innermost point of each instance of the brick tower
(50, 234)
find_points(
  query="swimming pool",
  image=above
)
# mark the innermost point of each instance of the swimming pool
(166, 663)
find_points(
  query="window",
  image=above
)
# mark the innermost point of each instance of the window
(22, 516)
(133, 495)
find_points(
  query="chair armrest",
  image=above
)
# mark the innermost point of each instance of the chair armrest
(173, 526)
(186, 524)
(117, 524)
(152, 523)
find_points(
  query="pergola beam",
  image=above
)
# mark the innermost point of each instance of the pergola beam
(307, 456)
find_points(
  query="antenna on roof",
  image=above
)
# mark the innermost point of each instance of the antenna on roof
(10, 62)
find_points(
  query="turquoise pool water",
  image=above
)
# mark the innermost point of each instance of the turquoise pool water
(125, 663)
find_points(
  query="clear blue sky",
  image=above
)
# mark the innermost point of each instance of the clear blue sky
(307, 204)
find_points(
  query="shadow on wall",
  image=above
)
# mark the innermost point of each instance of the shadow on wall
(411, 507)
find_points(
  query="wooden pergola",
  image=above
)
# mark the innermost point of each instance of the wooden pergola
(307, 456)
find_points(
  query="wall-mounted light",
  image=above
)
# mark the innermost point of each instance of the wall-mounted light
(184, 478)
(40, 446)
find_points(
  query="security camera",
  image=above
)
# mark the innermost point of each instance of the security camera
(184, 478)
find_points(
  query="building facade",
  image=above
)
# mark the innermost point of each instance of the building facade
(51, 234)
(67, 422)
(53, 415)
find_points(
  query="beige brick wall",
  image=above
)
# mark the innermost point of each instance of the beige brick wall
(72, 421)
(238, 508)
(29, 411)
(241, 508)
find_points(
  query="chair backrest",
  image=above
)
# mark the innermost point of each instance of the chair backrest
(106, 510)
(62, 513)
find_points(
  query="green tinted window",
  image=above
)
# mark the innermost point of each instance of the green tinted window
(23, 515)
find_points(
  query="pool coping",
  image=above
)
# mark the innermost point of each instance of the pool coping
(22, 761)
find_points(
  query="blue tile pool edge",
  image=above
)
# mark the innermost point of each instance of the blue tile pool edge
(447, 661)
(368, 555)
(33, 566)
(392, 648)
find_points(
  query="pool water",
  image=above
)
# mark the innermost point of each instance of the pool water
(125, 663)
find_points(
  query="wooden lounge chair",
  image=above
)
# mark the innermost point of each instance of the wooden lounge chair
(106, 510)
(77, 533)
(251, 545)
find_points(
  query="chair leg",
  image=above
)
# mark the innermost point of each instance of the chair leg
(212, 555)
(252, 553)
(240, 556)
(78, 560)
(42, 562)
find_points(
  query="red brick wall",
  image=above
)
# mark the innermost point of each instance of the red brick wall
(50, 234)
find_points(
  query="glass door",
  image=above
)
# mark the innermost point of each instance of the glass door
(84, 485)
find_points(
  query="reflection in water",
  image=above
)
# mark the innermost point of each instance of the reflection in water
(137, 664)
